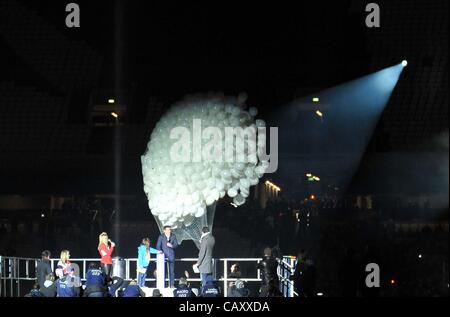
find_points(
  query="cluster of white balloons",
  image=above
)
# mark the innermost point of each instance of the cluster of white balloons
(179, 192)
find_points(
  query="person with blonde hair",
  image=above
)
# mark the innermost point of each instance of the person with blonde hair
(105, 248)
(62, 268)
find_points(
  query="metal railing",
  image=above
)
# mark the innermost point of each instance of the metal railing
(14, 270)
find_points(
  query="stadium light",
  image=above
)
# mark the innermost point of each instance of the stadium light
(404, 63)
(273, 186)
(316, 99)
(111, 100)
(115, 115)
(319, 113)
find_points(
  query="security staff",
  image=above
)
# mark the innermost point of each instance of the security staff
(67, 286)
(210, 289)
(133, 290)
(95, 282)
(183, 289)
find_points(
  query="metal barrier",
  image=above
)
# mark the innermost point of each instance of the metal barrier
(14, 270)
(11, 270)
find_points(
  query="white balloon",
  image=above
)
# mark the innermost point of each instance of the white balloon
(253, 111)
(225, 174)
(220, 185)
(179, 191)
(245, 182)
(260, 123)
(211, 182)
(254, 181)
(244, 193)
(238, 200)
(232, 192)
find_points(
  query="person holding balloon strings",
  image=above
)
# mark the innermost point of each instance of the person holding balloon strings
(167, 243)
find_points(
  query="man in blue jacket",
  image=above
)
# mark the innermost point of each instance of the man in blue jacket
(95, 282)
(133, 290)
(210, 289)
(183, 289)
(167, 243)
(67, 286)
(144, 251)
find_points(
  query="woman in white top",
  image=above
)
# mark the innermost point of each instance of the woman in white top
(63, 264)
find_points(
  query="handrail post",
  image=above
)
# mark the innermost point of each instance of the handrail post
(11, 274)
(16, 276)
(225, 278)
(1, 275)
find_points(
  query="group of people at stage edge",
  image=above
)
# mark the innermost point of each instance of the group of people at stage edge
(66, 282)
(100, 281)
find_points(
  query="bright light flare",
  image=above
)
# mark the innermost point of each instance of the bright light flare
(273, 186)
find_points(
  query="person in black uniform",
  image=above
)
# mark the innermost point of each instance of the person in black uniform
(210, 289)
(269, 278)
(35, 291)
(115, 285)
(304, 275)
(183, 289)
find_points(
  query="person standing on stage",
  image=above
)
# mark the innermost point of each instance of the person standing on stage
(62, 268)
(167, 243)
(204, 262)
(43, 268)
(269, 275)
(105, 248)
(144, 251)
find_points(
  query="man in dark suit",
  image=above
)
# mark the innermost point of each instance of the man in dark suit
(204, 262)
(167, 243)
